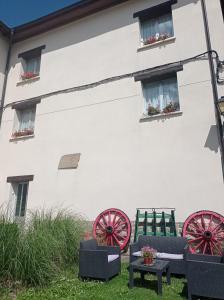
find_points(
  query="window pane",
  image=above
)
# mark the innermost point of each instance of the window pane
(149, 28)
(33, 65)
(18, 200)
(26, 119)
(23, 204)
(166, 25)
(152, 94)
(21, 199)
(157, 26)
(170, 92)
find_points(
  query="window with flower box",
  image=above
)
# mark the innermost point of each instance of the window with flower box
(25, 113)
(161, 96)
(156, 23)
(26, 118)
(31, 68)
(31, 63)
(160, 89)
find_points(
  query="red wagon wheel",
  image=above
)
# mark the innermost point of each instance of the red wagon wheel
(205, 232)
(112, 227)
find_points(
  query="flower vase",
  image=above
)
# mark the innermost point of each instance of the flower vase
(148, 260)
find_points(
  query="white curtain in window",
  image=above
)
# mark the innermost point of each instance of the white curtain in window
(160, 93)
(160, 25)
(26, 119)
(33, 65)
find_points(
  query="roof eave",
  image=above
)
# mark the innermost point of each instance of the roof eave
(4, 29)
(61, 17)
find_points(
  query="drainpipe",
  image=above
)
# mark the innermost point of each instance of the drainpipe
(214, 83)
(6, 76)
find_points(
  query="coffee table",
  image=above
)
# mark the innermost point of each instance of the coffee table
(159, 267)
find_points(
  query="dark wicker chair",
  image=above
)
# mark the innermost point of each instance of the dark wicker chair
(169, 245)
(98, 262)
(205, 276)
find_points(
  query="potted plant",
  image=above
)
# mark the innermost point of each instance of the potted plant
(171, 107)
(148, 254)
(153, 110)
(150, 40)
(163, 36)
(28, 75)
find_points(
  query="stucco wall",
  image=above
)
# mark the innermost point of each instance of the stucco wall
(125, 163)
(3, 57)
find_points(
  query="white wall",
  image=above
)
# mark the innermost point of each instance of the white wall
(125, 163)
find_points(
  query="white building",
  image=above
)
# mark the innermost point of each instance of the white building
(97, 79)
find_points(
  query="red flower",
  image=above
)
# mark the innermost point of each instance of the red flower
(28, 75)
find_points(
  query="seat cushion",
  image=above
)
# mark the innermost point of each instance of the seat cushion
(138, 253)
(169, 255)
(112, 257)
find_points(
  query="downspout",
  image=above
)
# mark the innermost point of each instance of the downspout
(6, 76)
(214, 83)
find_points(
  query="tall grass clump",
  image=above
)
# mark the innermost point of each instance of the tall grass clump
(34, 254)
(9, 241)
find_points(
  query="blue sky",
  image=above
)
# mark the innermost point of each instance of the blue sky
(17, 12)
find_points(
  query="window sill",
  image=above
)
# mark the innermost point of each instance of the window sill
(166, 41)
(23, 137)
(146, 118)
(33, 79)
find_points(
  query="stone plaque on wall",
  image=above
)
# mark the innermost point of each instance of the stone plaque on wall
(69, 161)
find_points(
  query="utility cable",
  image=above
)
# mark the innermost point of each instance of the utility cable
(124, 76)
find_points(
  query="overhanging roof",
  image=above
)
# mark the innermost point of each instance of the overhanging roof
(4, 29)
(61, 17)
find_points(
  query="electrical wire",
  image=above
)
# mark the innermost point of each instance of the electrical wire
(219, 64)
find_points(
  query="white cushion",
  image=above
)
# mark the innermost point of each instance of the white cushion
(138, 253)
(112, 257)
(169, 255)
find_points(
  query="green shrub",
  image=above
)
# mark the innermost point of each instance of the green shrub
(44, 247)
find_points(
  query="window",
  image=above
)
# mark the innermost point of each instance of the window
(21, 199)
(156, 29)
(31, 67)
(31, 63)
(156, 23)
(161, 96)
(24, 122)
(18, 195)
(25, 113)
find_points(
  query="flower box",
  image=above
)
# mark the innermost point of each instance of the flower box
(21, 133)
(28, 75)
(156, 38)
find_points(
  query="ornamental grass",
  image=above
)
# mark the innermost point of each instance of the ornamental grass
(34, 253)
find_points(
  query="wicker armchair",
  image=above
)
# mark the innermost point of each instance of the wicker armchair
(98, 262)
(205, 276)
